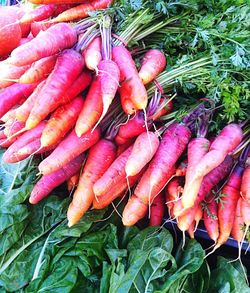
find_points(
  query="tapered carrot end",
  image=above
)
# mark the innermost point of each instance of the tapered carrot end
(32, 200)
(80, 130)
(70, 224)
(31, 122)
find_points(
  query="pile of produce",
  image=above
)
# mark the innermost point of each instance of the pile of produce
(142, 109)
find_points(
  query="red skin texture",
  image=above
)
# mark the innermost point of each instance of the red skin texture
(211, 218)
(49, 42)
(161, 168)
(134, 126)
(61, 8)
(71, 147)
(10, 156)
(245, 211)
(48, 182)
(101, 202)
(113, 175)
(8, 71)
(78, 12)
(228, 139)
(39, 70)
(72, 182)
(40, 13)
(157, 210)
(36, 27)
(93, 54)
(142, 152)
(153, 63)
(97, 103)
(245, 185)
(10, 31)
(58, 82)
(23, 111)
(172, 193)
(237, 232)
(13, 94)
(132, 91)
(197, 149)
(122, 147)
(134, 210)
(61, 121)
(78, 86)
(99, 159)
(226, 213)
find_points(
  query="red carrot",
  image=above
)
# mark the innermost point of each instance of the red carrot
(153, 63)
(68, 149)
(40, 13)
(197, 149)
(225, 142)
(10, 156)
(99, 159)
(61, 121)
(48, 182)
(113, 175)
(39, 70)
(132, 91)
(92, 54)
(36, 27)
(245, 185)
(160, 169)
(10, 31)
(211, 217)
(23, 111)
(56, 84)
(157, 211)
(143, 151)
(49, 42)
(10, 96)
(80, 11)
(99, 97)
(124, 184)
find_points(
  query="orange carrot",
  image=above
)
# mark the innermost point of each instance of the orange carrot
(99, 159)
(211, 217)
(153, 63)
(9, 74)
(39, 70)
(92, 54)
(245, 185)
(144, 148)
(40, 13)
(134, 211)
(237, 231)
(80, 11)
(72, 182)
(172, 193)
(61, 121)
(132, 91)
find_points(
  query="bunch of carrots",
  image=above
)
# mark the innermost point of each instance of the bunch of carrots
(74, 94)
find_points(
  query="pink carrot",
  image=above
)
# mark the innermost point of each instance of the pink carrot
(157, 210)
(68, 149)
(50, 42)
(48, 182)
(55, 86)
(10, 96)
